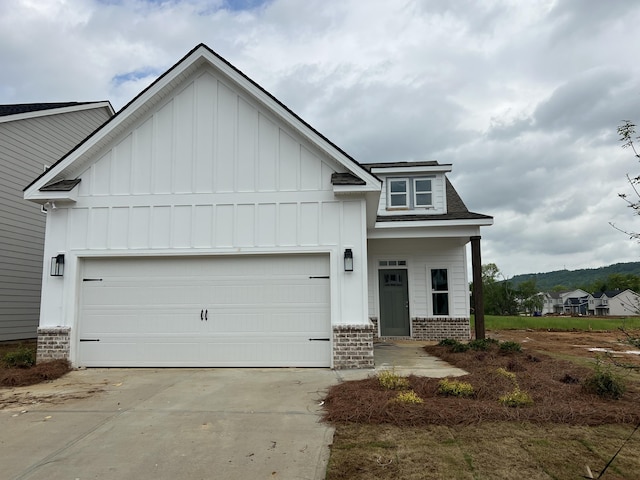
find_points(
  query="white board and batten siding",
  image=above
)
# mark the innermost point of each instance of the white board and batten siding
(422, 256)
(28, 143)
(208, 172)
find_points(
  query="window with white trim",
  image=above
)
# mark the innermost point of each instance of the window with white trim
(410, 193)
(440, 291)
(398, 190)
(422, 195)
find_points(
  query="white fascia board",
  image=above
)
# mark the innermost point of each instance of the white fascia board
(423, 169)
(355, 189)
(434, 223)
(57, 111)
(434, 232)
(44, 197)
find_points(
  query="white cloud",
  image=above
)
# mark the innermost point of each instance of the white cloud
(522, 97)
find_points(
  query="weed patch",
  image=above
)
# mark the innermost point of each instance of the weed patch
(390, 380)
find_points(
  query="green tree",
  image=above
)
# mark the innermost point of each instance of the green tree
(529, 296)
(499, 296)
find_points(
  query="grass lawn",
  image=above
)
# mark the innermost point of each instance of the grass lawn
(495, 322)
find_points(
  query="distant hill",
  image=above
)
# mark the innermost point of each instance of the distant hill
(575, 278)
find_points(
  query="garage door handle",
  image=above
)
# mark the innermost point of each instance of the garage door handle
(206, 315)
(319, 339)
(201, 315)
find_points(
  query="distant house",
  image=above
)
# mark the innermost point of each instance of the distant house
(32, 137)
(614, 302)
(559, 303)
(602, 304)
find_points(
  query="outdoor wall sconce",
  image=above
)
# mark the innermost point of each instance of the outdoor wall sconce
(348, 260)
(57, 265)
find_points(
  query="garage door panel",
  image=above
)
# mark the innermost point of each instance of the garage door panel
(260, 311)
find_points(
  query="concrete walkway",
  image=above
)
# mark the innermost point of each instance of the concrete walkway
(407, 357)
(182, 423)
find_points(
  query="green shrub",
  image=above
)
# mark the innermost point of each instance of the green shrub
(448, 342)
(455, 388)
(510, 347)
(23, 357)
(459, 347)
(604, 383)
(516, 398)
(482, 344)
(408, 397)
(390, 380)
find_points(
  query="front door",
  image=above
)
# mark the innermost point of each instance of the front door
(394, 303)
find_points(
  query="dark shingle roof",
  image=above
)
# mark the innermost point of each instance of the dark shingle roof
(346, 179)
(35, 107)
(430, 163)
(61, 186)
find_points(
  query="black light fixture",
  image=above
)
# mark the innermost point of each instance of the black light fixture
(57, 265)
(348, 260)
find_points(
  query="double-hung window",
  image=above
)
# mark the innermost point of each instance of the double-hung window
(399, 193)
(440, 291)
(422, 196)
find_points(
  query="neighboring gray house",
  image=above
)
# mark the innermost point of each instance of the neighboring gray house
(32, 137)
(614, 302)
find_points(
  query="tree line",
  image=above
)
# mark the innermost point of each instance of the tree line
(504, 297)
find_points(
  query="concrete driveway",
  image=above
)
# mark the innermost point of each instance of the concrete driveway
(182, 423)
(173, 424)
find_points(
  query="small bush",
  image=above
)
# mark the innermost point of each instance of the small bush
(510, 347)
(516, 398)
(482, 344)
(408, 397)
(448, 342)
(390, 380)
(24, 357)
(459, 347)
(455, 388)
(604, 383)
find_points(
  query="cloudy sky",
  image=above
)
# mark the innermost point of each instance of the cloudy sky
(522, 97)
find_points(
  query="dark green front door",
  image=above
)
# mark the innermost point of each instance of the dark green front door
(394, 303)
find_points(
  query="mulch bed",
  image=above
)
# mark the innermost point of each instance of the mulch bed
(555, 386)
(21, 377)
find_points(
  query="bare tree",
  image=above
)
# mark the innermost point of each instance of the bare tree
(627, 133)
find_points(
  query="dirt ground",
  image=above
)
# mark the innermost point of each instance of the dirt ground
(574, 344)
(69, 387)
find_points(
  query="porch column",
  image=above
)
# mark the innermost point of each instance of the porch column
(478, 300)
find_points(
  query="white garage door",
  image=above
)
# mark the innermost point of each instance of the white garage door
(249, 311)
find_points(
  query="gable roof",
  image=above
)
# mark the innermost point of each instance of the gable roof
(70, 164)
